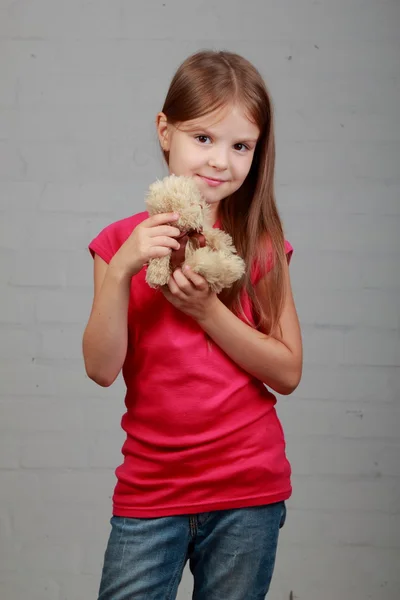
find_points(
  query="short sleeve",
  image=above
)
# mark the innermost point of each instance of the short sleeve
(111, 238)
(257, 271)
(102, 245)
(288, 250)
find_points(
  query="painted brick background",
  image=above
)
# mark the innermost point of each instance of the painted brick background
(80, 84)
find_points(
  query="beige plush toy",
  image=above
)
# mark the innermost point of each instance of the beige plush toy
(207, 250)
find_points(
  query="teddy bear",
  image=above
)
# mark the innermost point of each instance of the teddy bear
(208, 251)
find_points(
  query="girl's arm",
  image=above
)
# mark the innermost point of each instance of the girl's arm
(105, 340)
(275, 360)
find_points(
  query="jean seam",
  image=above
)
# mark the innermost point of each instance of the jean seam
(283, 516)
(125, 542)
(178, 570)
(193, 525)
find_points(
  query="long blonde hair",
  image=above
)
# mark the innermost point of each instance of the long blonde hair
(205, 82)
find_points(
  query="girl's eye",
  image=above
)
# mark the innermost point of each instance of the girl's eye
(241, 148)
(202, 138)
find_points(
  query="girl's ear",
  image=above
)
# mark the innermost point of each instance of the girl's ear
(163, 131)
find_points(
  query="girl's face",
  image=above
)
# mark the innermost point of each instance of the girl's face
(216, 149)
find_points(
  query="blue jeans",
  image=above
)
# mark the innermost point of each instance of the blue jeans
(231, 555)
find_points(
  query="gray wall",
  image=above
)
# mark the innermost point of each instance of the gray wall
(80, 83)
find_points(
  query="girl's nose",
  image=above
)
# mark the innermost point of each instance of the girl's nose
(218, 160)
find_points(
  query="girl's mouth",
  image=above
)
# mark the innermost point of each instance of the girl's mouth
(212, 182)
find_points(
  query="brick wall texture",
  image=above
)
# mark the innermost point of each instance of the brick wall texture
(80, 84)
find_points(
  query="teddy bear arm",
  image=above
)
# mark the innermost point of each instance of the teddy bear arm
(158, 271)
(219, 269)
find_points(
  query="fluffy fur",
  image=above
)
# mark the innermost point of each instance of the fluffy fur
(217, 262)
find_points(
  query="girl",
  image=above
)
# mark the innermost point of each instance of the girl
(205, 476)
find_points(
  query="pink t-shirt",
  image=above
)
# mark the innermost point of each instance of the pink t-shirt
(201, 433)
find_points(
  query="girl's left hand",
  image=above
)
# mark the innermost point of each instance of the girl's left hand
(190, 293)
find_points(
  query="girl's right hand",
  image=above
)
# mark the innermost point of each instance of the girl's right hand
(152, 238)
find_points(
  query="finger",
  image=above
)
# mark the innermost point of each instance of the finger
(167, 294)
(183, 283)
(175, 289)
(164, 230)
(165, 290)
(169, 242)
(197, 280)
(160, 219)
(159, 252)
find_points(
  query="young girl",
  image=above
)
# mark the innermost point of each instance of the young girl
(205, 476)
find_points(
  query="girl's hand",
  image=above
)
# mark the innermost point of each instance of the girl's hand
(152, 238)
(191, 293)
